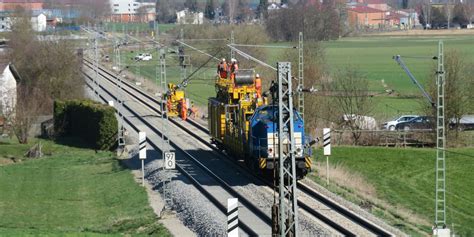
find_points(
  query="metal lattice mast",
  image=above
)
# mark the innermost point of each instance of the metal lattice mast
(300, 76)
(288, 209)
(117, 55)
(165, 147)
(96, 64)
(440, 215)
(232, 42)
(183, 66)
(120, 106)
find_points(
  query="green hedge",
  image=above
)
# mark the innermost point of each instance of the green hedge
(94, 122)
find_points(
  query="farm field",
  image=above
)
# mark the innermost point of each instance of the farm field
(72, 192)
(405, 178)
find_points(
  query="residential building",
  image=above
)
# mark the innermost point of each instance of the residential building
(7, 90)
(132, 11)
(187, 17)
(38, 22)
(11, 5)
(365, 16)
(376, 4)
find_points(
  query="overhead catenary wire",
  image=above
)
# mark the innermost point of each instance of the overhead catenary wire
(222, 39)
(189, 46)
(250, 57)
(264, 46)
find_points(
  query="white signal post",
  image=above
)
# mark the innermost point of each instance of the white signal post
(327, 150)
(232, 217)
(142, 153)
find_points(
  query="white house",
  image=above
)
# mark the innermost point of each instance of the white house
(38, 22)
(7, 91)
(5, 23)
(187, 17)
(132, 10)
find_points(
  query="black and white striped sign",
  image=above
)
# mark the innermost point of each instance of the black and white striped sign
(232, 217)
(327, 141)
(142, 145)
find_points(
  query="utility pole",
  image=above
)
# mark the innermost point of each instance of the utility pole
(440, 200)
(120, 107)
(232, 42)
(300, 76)
(287, 200)
(96, 64)
(165, 147)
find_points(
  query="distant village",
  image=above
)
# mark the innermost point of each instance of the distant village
(356, 14)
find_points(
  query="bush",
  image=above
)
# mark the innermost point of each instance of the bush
(94, 122)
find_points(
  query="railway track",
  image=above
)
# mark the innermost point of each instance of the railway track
(332, 214)
(215, 189)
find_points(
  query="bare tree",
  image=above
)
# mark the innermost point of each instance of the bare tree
(31, 103)
(316, 21)
(458, 88)
(45, 70)
(165, 11)
(351, 97)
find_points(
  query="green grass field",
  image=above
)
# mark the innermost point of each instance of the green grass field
(405, 177)
(72, 192)
(373, 56)
(132, 27)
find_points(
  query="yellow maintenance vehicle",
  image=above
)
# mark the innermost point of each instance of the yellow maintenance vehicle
(176, 101)
(230, 111)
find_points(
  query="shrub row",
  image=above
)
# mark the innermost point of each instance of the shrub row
(94, 122)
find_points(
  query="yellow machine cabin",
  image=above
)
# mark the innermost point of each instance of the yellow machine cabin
(176, 101)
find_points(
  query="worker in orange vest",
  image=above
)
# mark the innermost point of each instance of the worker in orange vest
(233, 69)
(184, 109)
(222, 69)
(258, 85)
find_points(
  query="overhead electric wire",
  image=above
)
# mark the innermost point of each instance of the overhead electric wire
(250, 57)
(187, 45)
(264, 46)
(205, 39)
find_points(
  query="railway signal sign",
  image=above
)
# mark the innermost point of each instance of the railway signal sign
(327, 150)
(327, 141)
(142, 145)
(170, 160)
(232, 217)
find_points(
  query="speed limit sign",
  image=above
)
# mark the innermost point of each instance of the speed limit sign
(170, 162)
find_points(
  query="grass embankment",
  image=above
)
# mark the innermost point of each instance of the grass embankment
(401, 181)
(71, 192)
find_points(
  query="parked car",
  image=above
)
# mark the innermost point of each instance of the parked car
(465, 123)
(139, 57)
(421, 122)
(147, 57)
(390, 125)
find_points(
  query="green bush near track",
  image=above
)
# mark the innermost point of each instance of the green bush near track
(71, 192)
(405, 178)
(93, 122)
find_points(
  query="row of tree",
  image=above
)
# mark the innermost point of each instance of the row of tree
(461, 13)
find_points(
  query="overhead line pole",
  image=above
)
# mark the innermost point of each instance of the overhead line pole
(300, 76)
(440, 212)
(232, 41)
